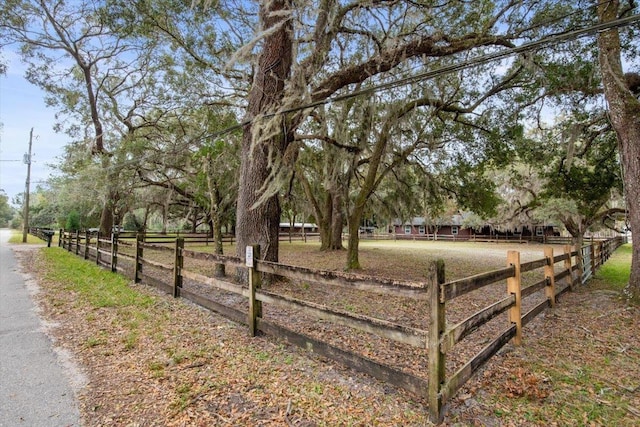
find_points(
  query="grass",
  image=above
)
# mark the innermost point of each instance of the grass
(16, 238)
(616, 271)
(98, 287)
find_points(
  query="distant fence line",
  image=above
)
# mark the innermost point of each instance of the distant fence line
(205, 237)
(548, 240)
(577, 265)
(45, 234)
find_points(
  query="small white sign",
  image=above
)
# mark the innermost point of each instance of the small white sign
(249, 256)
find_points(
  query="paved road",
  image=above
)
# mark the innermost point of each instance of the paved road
(35, 387)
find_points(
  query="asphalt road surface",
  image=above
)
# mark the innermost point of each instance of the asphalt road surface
(35, 379)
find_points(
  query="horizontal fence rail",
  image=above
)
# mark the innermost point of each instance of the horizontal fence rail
(558, 273)
(489, 238)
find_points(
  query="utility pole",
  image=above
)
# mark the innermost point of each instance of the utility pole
(27, 160)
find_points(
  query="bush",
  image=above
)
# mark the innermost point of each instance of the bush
(73, 221)
(132, 222)
(16, 222)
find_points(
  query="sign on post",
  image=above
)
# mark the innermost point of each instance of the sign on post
(249, 257)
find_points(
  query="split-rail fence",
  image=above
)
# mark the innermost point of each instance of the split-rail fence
(558, 273)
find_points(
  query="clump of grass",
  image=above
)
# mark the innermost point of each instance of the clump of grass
(157, 369)
(185, 393)
(95, 341)
(131, 340)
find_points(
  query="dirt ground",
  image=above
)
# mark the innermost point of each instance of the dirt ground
(178, 364)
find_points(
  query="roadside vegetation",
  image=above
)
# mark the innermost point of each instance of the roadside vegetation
(16, 237)
(165, 362)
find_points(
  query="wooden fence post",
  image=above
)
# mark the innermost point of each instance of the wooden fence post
(549, 274)
(593, 258)
(580, 263)
(437, 326)
(514, 287)
(114, 252)
(87, 238)
(600, 254)
(177, 267)
(61, 238)
(137, 275)
(567, 264)
(252, 253)
(98, 248)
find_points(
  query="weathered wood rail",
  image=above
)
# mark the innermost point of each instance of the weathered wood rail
(547, 240)
(438, 341)
(157, 237)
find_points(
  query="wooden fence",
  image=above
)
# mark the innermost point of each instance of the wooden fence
(157, 237)
(444, 337)
(557, 275)
(45, 234)
(494, 238)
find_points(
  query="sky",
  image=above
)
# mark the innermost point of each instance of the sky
(22, 107)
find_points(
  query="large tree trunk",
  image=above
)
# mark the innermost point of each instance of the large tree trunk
(337, 221)
(259, 223)
(355, 219)
(325, 235)
(194, 220)
(106, 217)
(624, 113)
(329, 216)
(145, 219)
(215, 219)
(353, 259)
(165, 217)
(108, 214)
(217, 240)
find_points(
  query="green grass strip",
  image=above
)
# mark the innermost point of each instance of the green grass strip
(101, 288)
(16, 237)
(616, 271)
